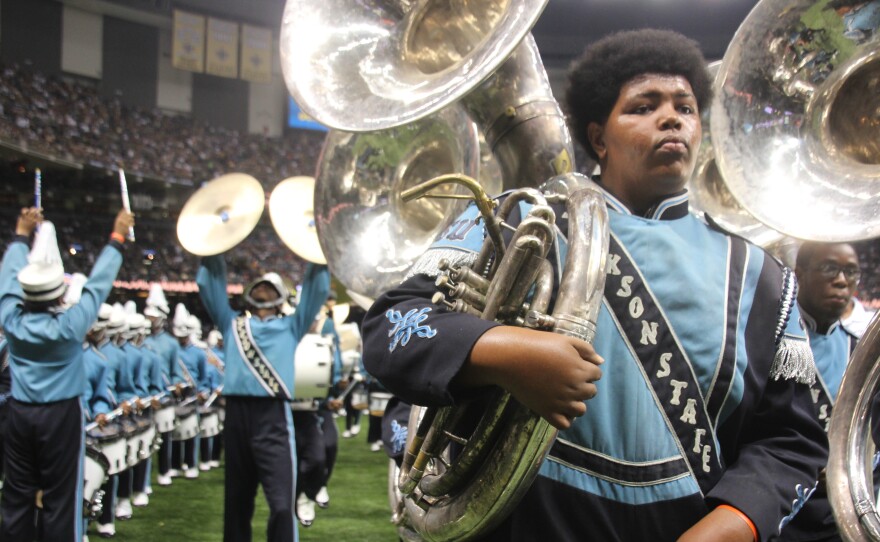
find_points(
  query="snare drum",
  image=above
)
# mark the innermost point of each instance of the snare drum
(94, 476)
(147, 443)
(164, 418)
(378, 402)
(132, 431)
(209, 422)
(360, 399)
(110, 442)
(314, 367)
(188, 426)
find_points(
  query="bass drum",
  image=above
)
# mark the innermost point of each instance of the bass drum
(313, 373)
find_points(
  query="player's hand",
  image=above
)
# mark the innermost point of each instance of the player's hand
(28, 220)
(334, 404)
(551, 374)
(124, 221)
(101, 420)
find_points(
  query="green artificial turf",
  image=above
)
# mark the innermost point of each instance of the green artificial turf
(192, 510)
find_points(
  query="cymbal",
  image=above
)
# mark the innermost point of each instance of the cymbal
(340, 313)
(220, 214)
(361, 300)
(291, 208)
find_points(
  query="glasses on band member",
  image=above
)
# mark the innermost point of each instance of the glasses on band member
(830, 271)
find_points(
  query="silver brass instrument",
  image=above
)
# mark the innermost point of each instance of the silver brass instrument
(796, 132)
(390, 65)
(795, 122)
(849, 482)
(511, 283)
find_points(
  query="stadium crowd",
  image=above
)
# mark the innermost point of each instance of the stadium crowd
(72, 120)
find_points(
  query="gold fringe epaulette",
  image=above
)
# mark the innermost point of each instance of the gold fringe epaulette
(794, 360)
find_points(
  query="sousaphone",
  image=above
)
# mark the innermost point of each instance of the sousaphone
(378, 66)
(220, 214)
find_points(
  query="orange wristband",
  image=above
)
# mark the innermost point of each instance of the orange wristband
(744, 518)
(117, 237)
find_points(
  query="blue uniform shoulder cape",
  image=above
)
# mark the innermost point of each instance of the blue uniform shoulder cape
(621, 459)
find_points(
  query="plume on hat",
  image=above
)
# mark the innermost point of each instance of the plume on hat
(157, 304)
(42, 279)
(74, 289)
(180, 324)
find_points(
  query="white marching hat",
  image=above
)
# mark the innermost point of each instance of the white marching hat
(116, 322)
(157, 304)
(103, 320)
(42, 279)
(273, 280)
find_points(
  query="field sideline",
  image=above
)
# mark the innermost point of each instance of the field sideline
(192, 510)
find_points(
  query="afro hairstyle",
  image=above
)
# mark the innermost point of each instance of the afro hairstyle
(595, 79)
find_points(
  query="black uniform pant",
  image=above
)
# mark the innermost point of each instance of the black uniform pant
(352, 415)
(165, 454)
(184, 453)
(331, 443)
(260, 449)
(44, 451)
(310, 451)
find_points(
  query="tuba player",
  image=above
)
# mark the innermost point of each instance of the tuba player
(700, 428)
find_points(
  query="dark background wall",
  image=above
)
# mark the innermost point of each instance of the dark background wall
(30, 31)
(131, 62)
(220, 101)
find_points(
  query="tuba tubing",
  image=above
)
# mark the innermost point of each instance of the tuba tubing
(499, 462)
(849, 490)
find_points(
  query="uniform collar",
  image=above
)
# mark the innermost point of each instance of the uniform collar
(813, 326)
(670, 208)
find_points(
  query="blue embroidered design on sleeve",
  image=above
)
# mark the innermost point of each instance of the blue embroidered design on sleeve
(803, 494)
(407, 324)
(398, 438)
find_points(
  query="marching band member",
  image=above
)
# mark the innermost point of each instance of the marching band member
(217, 349)
(702, 428)
(193, 364)
(102, 336)
(149, 384)
(259, 382)
(168, 350)
(97, 398)
(329, 433)
(128, 390)
(210, 447)
(45, 443)
(316, 435)
(828, 275)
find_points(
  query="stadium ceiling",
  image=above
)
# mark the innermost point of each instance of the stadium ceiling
(562, 32)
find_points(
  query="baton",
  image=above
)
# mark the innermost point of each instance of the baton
(38, 189)
(125, 203)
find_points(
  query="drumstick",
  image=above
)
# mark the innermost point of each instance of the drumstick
(38, 189)
(214, 396)
(123, 185)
